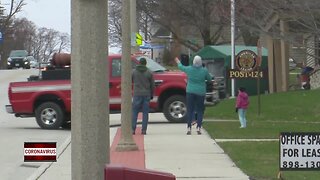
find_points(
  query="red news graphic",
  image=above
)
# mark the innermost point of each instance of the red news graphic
(40, 152)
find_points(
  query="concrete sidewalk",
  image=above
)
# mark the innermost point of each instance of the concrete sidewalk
(167, 149)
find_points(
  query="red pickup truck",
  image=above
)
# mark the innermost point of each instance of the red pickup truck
(48, 98)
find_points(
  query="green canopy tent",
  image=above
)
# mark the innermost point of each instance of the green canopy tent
(218, 61)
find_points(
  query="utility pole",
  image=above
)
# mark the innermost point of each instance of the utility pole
(133, 25)
(89, 89)
(126, 142)
(232, 45)
(259, 50)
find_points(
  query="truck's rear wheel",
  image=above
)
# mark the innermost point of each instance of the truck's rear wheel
(49, 115)
(175, 109)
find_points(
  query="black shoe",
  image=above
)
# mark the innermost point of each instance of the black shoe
(199, 131)
(133, 132)
(189, 131)
(143, 132)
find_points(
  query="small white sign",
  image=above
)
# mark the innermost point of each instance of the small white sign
(299, 151)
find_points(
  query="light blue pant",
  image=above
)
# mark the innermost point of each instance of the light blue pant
(140, 103)
(242, 117)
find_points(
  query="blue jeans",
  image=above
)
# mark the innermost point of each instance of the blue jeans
(138, 103)
(242, 117)
(195, 103)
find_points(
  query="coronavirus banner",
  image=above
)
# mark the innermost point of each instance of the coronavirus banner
(40, 152)
(299, 151)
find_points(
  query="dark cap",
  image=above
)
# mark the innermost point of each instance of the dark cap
(242, 89)
(143, 61)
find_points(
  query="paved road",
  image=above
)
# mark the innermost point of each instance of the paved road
(15, 131)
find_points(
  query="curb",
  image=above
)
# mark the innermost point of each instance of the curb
(42, 169)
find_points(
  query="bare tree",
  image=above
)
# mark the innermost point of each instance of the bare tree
(37, 44)
(263, 17)
(22, 34)
(114, 25)
(49, 41)
(15, 6)
(201, 18)
(302, 17)
(209, 20)
(63, 42)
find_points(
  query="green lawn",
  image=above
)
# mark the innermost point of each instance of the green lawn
(256, 129)
(260, 160)
(302, 106)
(294, 111)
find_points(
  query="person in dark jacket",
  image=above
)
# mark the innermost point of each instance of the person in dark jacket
(242, 104)
(143, 86)
(196, 90)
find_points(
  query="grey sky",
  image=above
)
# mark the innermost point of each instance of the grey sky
(53, 14)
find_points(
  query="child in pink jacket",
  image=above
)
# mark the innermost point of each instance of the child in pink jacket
(242, 104)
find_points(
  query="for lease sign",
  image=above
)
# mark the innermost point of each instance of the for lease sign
(299, 151)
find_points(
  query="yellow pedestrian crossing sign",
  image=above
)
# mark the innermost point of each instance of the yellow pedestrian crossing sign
(138, 39)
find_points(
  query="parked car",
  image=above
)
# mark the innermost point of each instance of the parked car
(33, 62)
(44, 65)
(18, 59)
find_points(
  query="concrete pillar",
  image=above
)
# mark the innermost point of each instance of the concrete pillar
(284, 57)
(126, 142)
(133, 23)
(90, 112)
